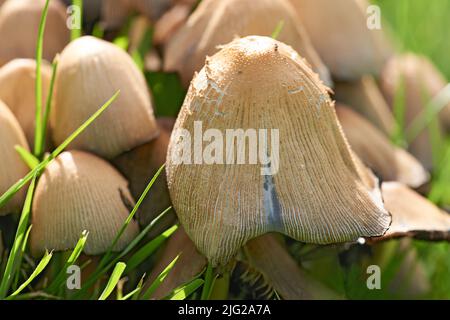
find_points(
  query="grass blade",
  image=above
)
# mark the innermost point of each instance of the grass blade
(30, 160)
(14, 256)
(40, 267)
(113, 280)
(185, 291)
(149, 249)
(209, 279)
(278, 29)
(22, 182)
(159, 279)
(75, 33)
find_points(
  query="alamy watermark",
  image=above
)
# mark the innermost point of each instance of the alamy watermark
(73, 21)
(373, 17)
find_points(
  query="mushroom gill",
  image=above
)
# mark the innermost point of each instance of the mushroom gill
(313, 189)
(17, 90)
(19, 22)
(217, 22)
(378, 153)
(90, 71)
(339, 31)
(12, 168)
(79, 191)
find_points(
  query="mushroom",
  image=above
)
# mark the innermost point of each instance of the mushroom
(378, 153)
(139, 166)
(413, 215)
(12, 167)
(311, 187)
(17, 90)
(365, 97)
(79, 191)
(170, 22)
(19, 23)
(339, 32)
(217, 22)
(90, 71)
(189, 264)
(419, 81)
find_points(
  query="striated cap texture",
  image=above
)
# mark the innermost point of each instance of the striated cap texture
(320, 193)
(79, 191)
(90, 71)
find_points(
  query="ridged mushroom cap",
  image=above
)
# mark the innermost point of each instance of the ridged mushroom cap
(19, 24)
(217, 22)
(338, 31)
(320, 194)
(91, 71)
(12, 167)
(419, 81)
(413, 215)
(365, 97)
(378, 153)
(79, 191)
(17, 90)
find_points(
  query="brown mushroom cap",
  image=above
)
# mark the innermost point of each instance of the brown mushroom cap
(413, 215)
(90, 71)
(339, 32)
(19, 24)
(12, 167)
(79, 191)
(320, 193)
(365, 97)
(420, 81)
(217, 22)
(17, 90)
(378, 153)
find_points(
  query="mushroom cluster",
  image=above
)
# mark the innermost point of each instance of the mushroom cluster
(285, 141)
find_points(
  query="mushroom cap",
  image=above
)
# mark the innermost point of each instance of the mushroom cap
(378, 153)
(217, 22)
(17, 90)
(90, 71)
(339, 32)
(413, 215)
(19, 23)
(12, 167)
(421, 81)
(139, 166)
(321, 193)
(79, 191)
(365, 97)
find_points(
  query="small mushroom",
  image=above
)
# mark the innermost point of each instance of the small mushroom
(378, 153)
(365, 97)
(79, 191)
(19, 24)
(316, 191)
(17, 90)
(217, 22)
(413, 215)
(170, 22)
(139, 166)
(12, 167)
(415, 78)
(90, 71)
(339, 32)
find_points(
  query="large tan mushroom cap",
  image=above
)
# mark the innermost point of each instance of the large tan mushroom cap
(79, 191)
(339, 32)
(90, 71)
(415, 78)
(413, 215)
(217, 22)
(378, 153)
(19, 24)
(365, 97)
(12, 167)
(17, 90)
(320, 193)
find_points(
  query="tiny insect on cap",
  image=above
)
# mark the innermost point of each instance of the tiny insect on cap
(79, 191)
(12, 167)
(90, 72)
(321, 193)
